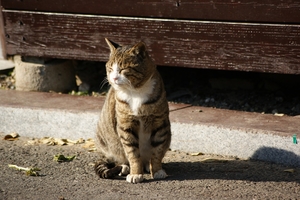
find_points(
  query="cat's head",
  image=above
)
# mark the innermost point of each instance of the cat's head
(128, 66)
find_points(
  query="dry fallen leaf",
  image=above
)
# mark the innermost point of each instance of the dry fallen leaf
(55, 141)
(289, 170)
(48, 141)
(30, 171)
(197, 154)
(79, 141)
(60, 142)
(90, 145)
(279, 114)
(11, 137)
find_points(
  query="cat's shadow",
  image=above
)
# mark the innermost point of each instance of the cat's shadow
(249, 170)
(231, 170)
(235, 169)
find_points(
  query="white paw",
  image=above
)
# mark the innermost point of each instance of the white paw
(160, 174)
(134, 178)
(125, 170)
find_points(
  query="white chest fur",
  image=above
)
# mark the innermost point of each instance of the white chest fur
(136, 97)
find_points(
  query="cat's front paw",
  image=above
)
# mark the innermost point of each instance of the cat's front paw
(160, 174)
(125, 170)
(134, 178)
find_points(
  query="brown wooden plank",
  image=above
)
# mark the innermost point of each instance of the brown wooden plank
(228, 46)
(224, 10)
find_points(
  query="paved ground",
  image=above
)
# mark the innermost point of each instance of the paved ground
(216, 131)
(190, 177)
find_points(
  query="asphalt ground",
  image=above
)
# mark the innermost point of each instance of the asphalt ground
(191, 176)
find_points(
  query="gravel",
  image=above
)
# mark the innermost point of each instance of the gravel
(7, 80)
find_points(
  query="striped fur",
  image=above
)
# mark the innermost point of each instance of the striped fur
(134, 127)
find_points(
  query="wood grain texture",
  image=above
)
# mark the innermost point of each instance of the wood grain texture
(202, 44)
(280, 11)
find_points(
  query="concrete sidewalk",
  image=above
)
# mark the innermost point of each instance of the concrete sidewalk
(194, 129)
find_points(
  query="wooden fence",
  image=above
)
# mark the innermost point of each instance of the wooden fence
(244, 35)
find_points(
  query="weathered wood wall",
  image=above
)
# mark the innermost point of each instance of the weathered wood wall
(219, 10)
(241, 35)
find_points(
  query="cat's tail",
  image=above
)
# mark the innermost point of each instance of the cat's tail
(106, 169)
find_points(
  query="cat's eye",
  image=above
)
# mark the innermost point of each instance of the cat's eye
(123, 71)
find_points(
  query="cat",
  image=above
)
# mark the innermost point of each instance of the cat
(133, 132)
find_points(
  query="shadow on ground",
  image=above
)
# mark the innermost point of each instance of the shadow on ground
(277, 155)
(231, 170)
(216, 167)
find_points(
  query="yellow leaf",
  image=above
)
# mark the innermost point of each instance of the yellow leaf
(30, 171)
(289, 170)
(197, 154)
(11, 137)
(279, 114)
(61, 142)
(79, 141)
(90, 145)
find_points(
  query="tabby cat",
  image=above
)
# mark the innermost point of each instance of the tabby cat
(134, 129)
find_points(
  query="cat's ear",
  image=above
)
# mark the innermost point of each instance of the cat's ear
(139, 50)
(112, 45)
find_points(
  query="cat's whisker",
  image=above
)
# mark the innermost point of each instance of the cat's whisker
(105, 81)
(129, 84)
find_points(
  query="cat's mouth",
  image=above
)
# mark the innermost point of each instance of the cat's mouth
(118, 82)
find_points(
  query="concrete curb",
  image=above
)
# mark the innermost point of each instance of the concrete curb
(233, 142)
(241, 134)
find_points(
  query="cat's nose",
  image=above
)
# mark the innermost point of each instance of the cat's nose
(115, 80)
